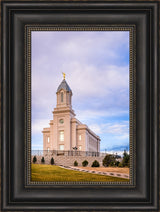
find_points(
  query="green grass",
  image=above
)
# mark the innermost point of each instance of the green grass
(54, 173)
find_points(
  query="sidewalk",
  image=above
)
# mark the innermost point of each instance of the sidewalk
(113, 174)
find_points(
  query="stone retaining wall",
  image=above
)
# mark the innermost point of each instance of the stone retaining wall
(69, 160)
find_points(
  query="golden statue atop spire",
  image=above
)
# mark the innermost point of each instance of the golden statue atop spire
(63, 75)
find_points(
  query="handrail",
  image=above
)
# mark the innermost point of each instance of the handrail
(67, 153)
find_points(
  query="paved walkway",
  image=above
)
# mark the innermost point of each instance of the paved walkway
(113, 174)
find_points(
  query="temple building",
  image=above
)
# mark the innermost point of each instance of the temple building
(65, 131)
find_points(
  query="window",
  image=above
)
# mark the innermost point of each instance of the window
(61, 147)
(80, 148)
(48, 149)
(61, 135)
(48, 139)
(61, 97)
(80, 137)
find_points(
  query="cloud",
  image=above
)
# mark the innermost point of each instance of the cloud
(97, 70)
(108, 90)
(60, 47)
(116, 152)
(90, 80)
(37, 145)
(92, 114)
(114, 136)
(117, 129)
(119, 149)
(39, 124)
(89, 74)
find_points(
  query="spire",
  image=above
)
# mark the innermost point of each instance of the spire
(64, 84)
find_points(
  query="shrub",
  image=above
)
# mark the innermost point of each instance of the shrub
(42, 160)
(34, 159)
(85, 163)
(112, 163)
(95, 164)
(75, 163)
(52, 161)
(117, 163)
(109, 160)
(120, 165)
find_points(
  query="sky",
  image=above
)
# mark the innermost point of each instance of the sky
(96, 64)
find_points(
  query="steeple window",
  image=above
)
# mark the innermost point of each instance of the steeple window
(62, 97)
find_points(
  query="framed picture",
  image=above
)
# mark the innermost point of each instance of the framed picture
(67, 147)
(80, 106)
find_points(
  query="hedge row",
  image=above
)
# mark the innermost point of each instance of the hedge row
(85, 163)
(42, 160)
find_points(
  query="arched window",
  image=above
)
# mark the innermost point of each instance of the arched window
(61, 97)
(61, 135)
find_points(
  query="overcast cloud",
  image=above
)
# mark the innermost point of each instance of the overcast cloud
(97, 70)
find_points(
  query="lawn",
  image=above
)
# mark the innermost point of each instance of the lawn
(40, 172)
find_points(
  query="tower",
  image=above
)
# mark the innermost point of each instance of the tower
(65, 131)
(64, 95)
(62, 116)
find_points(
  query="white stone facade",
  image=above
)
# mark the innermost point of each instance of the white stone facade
(65, 131)
(68, 160)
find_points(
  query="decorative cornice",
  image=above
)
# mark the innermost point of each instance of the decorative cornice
(45, 131)
(64, 111)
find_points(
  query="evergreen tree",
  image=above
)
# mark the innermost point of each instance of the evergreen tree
(126, 159)
(52, 161)
(85, 163)
(42, 160)
(95, 164)
(75, 163)
(34, 159)
(109, 160)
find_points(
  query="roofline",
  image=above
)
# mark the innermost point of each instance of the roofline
(85, 127)
(64, 90)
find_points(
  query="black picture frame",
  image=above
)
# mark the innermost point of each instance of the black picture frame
(131, 29)
(16, 195)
